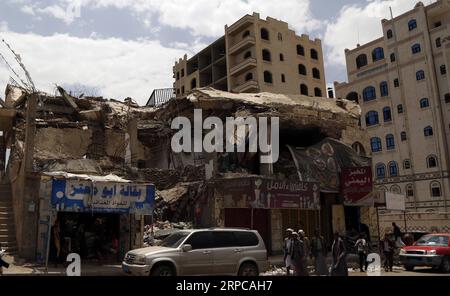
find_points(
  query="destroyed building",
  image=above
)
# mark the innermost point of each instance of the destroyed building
(73, 160)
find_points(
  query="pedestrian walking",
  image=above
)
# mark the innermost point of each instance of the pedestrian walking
(287, 249)
(398, 236)
(388, 251)
(297, 254)
(319, 253)
(338, 251)
(361, 246)
(306, 248)
(2, 262)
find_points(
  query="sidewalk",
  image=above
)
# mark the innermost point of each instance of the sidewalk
(88, 269)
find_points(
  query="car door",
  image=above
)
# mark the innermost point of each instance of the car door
(226, 252)
(199, 260)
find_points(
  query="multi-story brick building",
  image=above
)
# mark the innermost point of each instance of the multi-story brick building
(401, 82)
(255, 55)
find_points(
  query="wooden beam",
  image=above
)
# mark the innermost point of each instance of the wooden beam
(68, 98)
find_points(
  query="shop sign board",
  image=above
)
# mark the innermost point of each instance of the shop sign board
(357, 186)
(269, 193)
(74, 195)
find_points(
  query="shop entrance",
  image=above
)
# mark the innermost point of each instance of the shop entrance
(93, 236)
(235, 217)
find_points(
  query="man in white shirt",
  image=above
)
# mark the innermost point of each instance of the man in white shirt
(361, 246)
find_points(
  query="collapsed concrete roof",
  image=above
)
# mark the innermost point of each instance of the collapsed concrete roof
(297, 112)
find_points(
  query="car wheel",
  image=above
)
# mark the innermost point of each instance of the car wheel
(163, 270)
(445, 265)
(248, 269)
(409, 267)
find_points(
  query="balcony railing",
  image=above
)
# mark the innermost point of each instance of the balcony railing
(160, 96)
(242, 66)
(245, 20)
(242, 44)
(247, 85)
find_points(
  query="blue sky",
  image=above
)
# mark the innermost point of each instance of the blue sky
(125, 48)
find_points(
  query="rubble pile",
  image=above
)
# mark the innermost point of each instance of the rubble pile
(155, 233)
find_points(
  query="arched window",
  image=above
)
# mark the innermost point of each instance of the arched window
(393, 169)
(384, 91)
(369, 93)
(438, 42)
(300, 50)
(412, 24)
(283, 78)
(316, 73)
(406, 164)
(317, 92)
(389, 34)
(248, 54)
(280, 37)
(387, 114)
(392, 57)
(245, 34)
(431, 161)
(428, 131)
(314, 54)
(281, 57)
(268, 77)
(182, 72)
(403, 136)
(266, 55)
(304, 89)
(361, 61)
(182, 90)
(264, 34)
(353, 96)
(178, 75)
(390, 143)
(435, 189)
(371, 118)
(409, 190)
(420, 75)
(415, 48)
(301, 69)
(396, 82)
(399, 108)
(377, 54)
(443, 70)
(249, 76)
(395, 189)
(380, 171)
(359, 149)
(375, 144)
(447, 98)
(193, 83)
(424, 103)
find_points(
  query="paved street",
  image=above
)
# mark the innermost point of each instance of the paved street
(92, 269)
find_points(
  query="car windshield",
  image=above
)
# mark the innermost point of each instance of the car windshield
(175, 239)
(433, 240)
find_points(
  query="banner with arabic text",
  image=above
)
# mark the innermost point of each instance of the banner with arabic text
(73, 195)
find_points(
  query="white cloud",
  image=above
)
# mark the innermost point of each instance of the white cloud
(118, 68)
(3, 26)
(28, 9)
(202, 17)
(64, 14)
(359, 24)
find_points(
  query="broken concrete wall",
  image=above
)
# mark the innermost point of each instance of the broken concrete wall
(54, 143)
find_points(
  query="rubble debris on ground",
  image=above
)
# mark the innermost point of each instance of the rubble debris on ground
(155, 233)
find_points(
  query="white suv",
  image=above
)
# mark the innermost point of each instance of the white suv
(214, 251)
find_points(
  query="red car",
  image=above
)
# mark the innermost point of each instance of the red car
(430, 250)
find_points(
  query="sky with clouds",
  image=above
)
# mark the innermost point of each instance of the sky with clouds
(126, 48)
